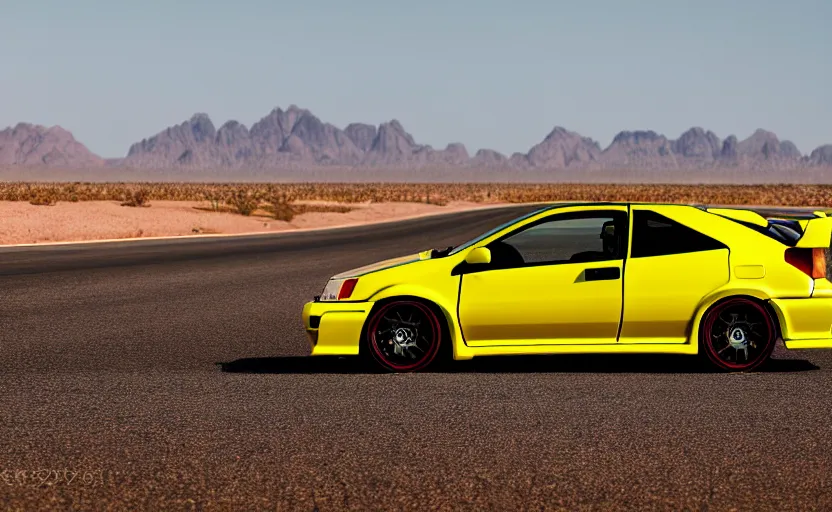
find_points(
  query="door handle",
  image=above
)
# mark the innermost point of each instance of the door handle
(602, 274)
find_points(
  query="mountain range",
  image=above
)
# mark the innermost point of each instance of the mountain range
(296, 138)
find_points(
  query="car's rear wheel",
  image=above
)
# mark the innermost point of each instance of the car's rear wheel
(738, 334)
(404, 335)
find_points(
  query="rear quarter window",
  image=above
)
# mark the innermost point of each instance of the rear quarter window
(657, 235)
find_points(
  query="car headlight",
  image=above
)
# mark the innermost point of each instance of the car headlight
(338, 289)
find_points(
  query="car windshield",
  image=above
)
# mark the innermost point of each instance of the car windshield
(495, 230)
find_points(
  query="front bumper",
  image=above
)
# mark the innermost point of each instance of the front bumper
(805, 323)
(334, 328)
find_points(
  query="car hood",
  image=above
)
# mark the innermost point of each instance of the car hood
(383, 265)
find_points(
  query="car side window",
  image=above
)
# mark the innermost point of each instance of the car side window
(565, 238)
(656, 235)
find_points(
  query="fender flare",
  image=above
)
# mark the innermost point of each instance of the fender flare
(723, 293)
(447, 305)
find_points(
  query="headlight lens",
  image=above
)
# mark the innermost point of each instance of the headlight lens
(338, 289)
(331, 289)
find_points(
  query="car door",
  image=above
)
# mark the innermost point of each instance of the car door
(556, 280)
(670, 268)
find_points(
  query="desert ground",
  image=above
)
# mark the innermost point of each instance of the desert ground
(36, 213)
(24, 223)
(174, 376)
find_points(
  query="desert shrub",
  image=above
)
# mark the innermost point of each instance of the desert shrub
(214, 196)
(43, 199)
(243, 201)
(136, 198)
(281, 208)
(322, 208)
(248, 195)
(283, 211)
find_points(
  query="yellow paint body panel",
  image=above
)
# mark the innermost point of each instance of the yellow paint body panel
(823, 288)
(663, 293)
(808, 344)
(804, 319)
(613, 348)
(816, 233)
(741, 215)
(750, 271)
(656, 306)
(550, 304)
(339, 329)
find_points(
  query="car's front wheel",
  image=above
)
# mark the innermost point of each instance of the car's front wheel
(404, 335)
(738, 334)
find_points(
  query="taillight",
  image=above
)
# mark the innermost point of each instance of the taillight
(346, 289)
(818, 263)
(811, 262)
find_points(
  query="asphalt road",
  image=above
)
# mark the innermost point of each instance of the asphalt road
(171, 375)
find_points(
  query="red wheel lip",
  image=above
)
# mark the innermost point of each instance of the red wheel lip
(710, 318)
(427, 359)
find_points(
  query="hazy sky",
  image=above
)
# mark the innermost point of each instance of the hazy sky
(489, 74)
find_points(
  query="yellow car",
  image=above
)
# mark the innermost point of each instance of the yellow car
(593, 278)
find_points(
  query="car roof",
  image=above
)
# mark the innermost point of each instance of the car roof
(618, 203)
(555, 206)
(770, 221)
(780, 212)
(565, 204)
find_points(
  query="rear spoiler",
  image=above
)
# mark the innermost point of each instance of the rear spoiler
(817, 233)
(814, 226)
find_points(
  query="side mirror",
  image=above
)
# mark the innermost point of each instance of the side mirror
(478, 256)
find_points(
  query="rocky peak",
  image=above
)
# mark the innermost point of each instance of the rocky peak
(362, 135)
(392, 138)
(231, 133)
(562, 148)
(489, 157)
(202, 128)
(821, 155)
(272, 130)
(325, 142)
(729, 148)
(295, 135)
(698, 144)
(789, 150)
(30, 144)
(310, 130)
(455, 153)
(637, 137)
(640, 149)
(760, 143)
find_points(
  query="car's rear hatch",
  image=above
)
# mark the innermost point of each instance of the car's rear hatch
(806, 232)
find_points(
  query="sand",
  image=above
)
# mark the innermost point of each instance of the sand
(23, 223)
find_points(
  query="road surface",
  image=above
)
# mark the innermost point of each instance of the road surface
(172, 375)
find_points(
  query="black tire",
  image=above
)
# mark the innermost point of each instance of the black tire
(738, 334)
(404, 336)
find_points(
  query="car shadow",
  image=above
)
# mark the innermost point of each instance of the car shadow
(617, 363)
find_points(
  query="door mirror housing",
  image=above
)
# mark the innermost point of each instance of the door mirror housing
(478, 256)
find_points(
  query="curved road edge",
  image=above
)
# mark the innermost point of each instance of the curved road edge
(271, 233)
(41, 258)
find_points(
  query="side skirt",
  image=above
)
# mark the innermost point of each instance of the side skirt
(640, 348)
